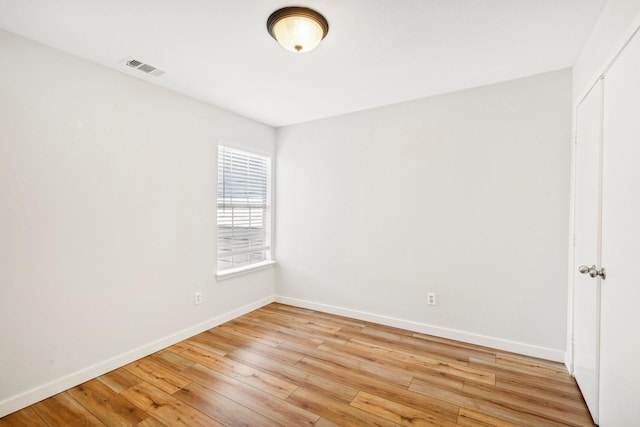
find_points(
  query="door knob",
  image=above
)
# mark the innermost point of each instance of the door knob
(593, 271)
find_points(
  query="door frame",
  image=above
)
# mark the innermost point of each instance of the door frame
(632, 31)
(616, 50)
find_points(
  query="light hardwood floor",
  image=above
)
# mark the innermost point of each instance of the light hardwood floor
(282, 365)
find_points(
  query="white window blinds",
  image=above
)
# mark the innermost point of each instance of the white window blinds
(244, 208)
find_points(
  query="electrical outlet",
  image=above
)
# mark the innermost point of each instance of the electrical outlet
(431, 298)
(198, 298)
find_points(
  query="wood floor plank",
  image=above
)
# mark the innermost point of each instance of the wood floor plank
(241, 342)
(338, 412)
(349, 328)
(439, 379)
(259, 401)
(535, 367)
(397, 413)
(570, 399)
(221, 408)
(107, 405)
(392, 367)
(150, 422)
(351, 363)
(469, 418)
(545, 408)
(171, 360)
(255, 334)
(462, 371)
(306, 322)
(288, 308)
(372, 386)
(179, 347)
(285, 332)
(300, 333)
(209, 339)
(316, 383)
(308, 326)
(24, 418)
(157, 375)
(166, 408)
(323, 422)
(344, 322)
(426, 348)
(484, 356)
(63, 410)
(209, 348)
(524, 376)
(490, 407)
(119, 380)
(476, 351)
(246, 374)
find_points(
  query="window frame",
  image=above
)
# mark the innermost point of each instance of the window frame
(268, 222)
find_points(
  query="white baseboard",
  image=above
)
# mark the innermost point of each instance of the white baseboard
(30, 397)
(483, 340)
(568, 362)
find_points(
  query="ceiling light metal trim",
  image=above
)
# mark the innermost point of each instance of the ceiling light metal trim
(302, 13)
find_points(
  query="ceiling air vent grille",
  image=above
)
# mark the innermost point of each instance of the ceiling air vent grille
(145, 68)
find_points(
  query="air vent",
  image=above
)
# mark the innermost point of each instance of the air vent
(145, 68)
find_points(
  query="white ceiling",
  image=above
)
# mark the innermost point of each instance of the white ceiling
(377, 52)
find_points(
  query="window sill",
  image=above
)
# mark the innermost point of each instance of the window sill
(240, 271)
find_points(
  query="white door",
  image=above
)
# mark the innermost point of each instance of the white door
(586, 289)
(620, 322)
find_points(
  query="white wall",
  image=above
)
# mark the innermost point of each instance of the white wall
(465, 195)
(107, 219)
(611, 29)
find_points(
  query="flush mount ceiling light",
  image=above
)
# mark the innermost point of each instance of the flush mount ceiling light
(297, 29)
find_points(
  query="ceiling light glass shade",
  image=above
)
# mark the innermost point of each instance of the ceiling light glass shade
(297, 29)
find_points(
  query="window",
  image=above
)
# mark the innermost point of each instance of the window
(244, 208)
